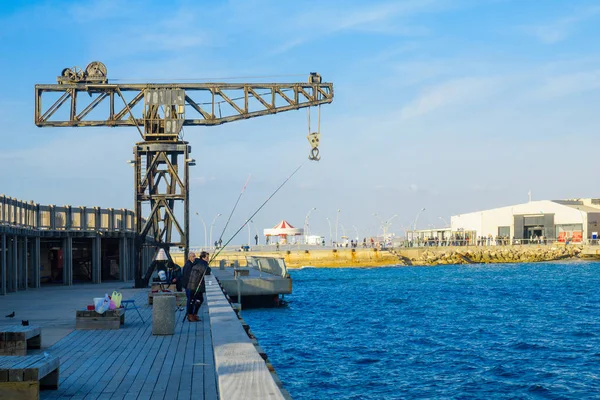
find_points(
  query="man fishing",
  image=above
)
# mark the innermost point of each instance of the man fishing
(195, 288)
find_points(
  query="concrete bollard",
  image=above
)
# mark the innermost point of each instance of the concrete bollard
(163, 315)
(221, 264)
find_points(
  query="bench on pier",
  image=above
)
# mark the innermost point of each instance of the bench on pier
(110, 319)
(180, 297)
(16, 339)
(22, 377)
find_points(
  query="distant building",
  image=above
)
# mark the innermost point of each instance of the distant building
(574, 220)
(316, 240)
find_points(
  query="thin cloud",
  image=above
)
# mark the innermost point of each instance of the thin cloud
(561, 85)
(560, 29)
(372, 18)
(460, 91)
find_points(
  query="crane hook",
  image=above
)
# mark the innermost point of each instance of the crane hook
(314, 139)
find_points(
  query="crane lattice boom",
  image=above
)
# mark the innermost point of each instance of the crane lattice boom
(161, 160)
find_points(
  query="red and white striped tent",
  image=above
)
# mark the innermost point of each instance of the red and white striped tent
(283, 230)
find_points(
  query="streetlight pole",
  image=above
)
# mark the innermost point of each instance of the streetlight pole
(343, 231)
(306, 224)
(444, 221)
(256, 229)
(337, 217)
(416, 219)
(386, 226)
(330, 238)
(211, 227)
(380, 221)
(203, 223)
(355, 230)
(248, 223)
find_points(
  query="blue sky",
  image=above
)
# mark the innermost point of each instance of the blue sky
(454, 106)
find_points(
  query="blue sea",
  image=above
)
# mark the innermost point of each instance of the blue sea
(500, 331)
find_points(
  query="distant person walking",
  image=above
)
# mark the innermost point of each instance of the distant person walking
(256, 240)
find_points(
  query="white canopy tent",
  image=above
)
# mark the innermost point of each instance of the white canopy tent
(283, 230)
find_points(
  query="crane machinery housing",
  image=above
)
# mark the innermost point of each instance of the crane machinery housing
(162, 158)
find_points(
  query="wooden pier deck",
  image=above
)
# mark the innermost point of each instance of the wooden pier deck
(211, 359)
(131, 363)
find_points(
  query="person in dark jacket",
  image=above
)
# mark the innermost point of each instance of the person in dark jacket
(174, 275)
(195, 286)
(185, 278)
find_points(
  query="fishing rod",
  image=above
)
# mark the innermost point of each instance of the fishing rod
(242, 227)
(257, 211)
(234, 207)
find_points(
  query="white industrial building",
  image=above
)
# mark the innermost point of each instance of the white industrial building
(575, 221)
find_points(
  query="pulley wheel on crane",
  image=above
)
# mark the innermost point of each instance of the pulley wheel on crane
(74, 74)
(96, 70)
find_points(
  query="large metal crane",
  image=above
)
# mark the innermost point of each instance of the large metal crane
(159, 112)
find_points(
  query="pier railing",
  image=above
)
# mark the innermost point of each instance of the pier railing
(23, 214)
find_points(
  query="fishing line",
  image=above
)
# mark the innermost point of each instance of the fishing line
(235, 206)
(248, 220)
(257, 211)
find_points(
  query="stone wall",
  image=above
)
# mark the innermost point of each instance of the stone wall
(494, 254)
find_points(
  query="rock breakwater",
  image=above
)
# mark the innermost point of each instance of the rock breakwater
(488, 255)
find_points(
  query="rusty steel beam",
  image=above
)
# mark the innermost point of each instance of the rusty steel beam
(234, 95)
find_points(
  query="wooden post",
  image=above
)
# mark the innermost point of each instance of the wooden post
(96, 259)
(25, 263)
(123, 259)
(15, 264)
(36, 263)
(67, 247)
(3, 266)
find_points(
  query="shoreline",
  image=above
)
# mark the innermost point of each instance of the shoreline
(418, 256)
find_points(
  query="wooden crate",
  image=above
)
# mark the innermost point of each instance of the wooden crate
(111, 319)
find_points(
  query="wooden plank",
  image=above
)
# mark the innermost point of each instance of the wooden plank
(139, 353)
(173, 384)
(154, 373)
(105, 358)
(151, 355)
(71, 356)
(185, 382)
(122, 363)
(79, 352)
(83, 375)
(199, 363)
(85, 345)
